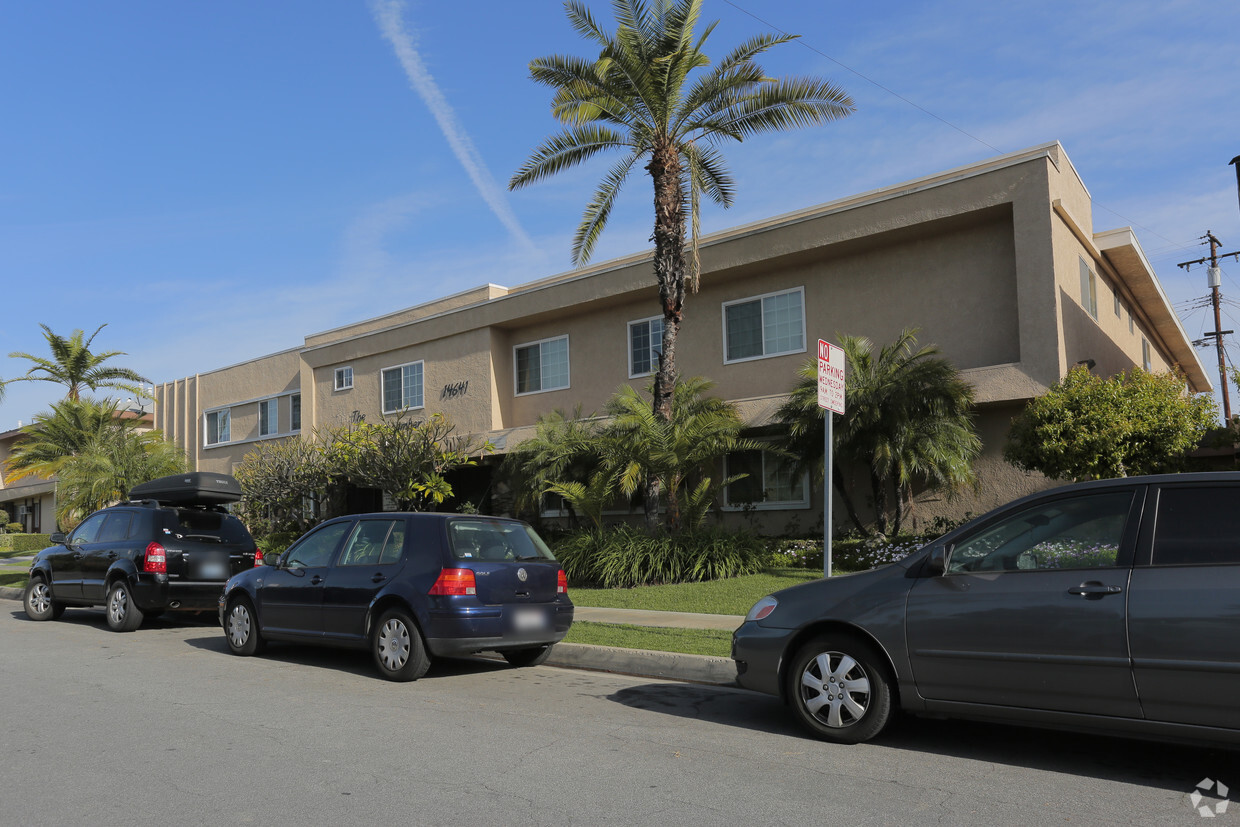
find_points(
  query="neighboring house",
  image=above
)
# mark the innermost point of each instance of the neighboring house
(998, 263)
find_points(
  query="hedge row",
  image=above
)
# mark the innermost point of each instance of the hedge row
(24, 542)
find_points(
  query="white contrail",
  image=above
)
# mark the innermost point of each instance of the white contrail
(387, 14)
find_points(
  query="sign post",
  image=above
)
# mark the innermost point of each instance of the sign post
(831, 400)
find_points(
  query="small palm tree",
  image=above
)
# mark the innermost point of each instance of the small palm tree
(637, 97)
(53, 437)
(907, 419)
(108, 466)
(74, 366)
(563, 451)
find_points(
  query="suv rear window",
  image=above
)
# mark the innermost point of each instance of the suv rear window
(495, 541)
(195, 524)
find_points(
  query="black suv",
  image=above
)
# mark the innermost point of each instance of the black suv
(171, 547)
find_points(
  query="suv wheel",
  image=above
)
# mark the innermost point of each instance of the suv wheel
(39, 603)
(123, 615)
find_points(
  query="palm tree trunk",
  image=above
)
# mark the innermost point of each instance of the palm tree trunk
(838, 476)
(669, 272)
(880, 503)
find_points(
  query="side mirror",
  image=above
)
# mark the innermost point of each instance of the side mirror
(936, 561)
(58, 539)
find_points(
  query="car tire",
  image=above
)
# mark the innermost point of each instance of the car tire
(397, 647)
(241, 628)
(527, 657)
(123, 614)
(840, 689)
(38, 601)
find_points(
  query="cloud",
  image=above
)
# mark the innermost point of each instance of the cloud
(387, 14)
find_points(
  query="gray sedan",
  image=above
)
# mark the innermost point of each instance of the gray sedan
(1103, 606)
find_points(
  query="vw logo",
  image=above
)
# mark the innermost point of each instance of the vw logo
(522, 576)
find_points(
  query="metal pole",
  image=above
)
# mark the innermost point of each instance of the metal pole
(826, 499)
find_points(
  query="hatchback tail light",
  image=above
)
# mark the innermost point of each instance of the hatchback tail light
(561, 583)
(258, 557)
(455, 582)
(156, 560)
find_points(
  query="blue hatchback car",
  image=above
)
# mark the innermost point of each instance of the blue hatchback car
(409, 587)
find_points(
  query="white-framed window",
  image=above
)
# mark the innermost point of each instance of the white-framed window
(1145, 355)
(294, 405)
(645, 344)
(541, 366)
(402, 387)
(762, 326)
(268, 417)
(217, 426)
(344, 378)
(1089, 289)
(770, 482)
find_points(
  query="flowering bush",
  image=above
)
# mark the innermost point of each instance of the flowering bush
(1073, 554)
(846, 555)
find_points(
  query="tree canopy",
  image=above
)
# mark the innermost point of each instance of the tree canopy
(1087, 427)
(73, 365)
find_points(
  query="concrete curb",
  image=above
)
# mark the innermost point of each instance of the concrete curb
(641, 662)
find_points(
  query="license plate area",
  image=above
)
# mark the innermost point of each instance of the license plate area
(529, 620)
(213, 571)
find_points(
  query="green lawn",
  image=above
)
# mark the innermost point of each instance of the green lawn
(687, 641)
(14, 577)
(733, 596)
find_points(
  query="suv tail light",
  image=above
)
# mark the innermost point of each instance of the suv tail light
(561, 583)
(455, 582)
(156, 560)
(258, 557)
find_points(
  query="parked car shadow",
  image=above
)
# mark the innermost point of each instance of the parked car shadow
(1169, 766)
(352, 661)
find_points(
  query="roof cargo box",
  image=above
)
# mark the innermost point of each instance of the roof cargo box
(193, 488)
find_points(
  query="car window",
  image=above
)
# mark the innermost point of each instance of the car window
(115, 528)
(495, 541)
(1071, 533)
(1197, 526)
(317, 547)
(373, 542)
(197, 524)
(89, 529)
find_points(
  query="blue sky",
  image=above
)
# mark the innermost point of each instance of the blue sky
(216, 181)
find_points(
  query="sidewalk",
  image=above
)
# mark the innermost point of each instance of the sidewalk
(667, 665)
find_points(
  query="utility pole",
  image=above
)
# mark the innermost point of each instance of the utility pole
(1215, 277)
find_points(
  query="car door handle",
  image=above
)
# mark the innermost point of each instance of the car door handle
(378, 578)
(1094, 589)
(111, 555)
(314, 581)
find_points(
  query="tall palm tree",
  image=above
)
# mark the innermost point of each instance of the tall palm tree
(637, 97)
(74, 366)
(907, 419)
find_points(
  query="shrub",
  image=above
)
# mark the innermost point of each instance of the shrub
(623, 557)
(14, 528)
(276, 543)
(28, 542)
(846, 555)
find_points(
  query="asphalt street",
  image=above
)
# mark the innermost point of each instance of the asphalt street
(163, 725)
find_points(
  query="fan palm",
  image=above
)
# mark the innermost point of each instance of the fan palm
(53, 437)
(637, 97)
(74, 366)
(907, 419)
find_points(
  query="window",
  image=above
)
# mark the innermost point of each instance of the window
(88, 530)
(1145, 354)
(764, 326)
(116, 528)
(374, 543)
(1089, 290)
(1119, 307)
(1197, 526)
(542, 366)
(1074, 533)
(295, 412)
(482, 539)
(645, 344)
(402, 387)
(770, 481)
(268, 417)
(316, 549)
(1130, 322)
(344, 378)
(217, 427)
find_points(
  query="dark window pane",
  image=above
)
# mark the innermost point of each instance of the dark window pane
(1197, 525)
(744, 330)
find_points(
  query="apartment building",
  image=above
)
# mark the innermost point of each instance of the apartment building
(998, 263)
